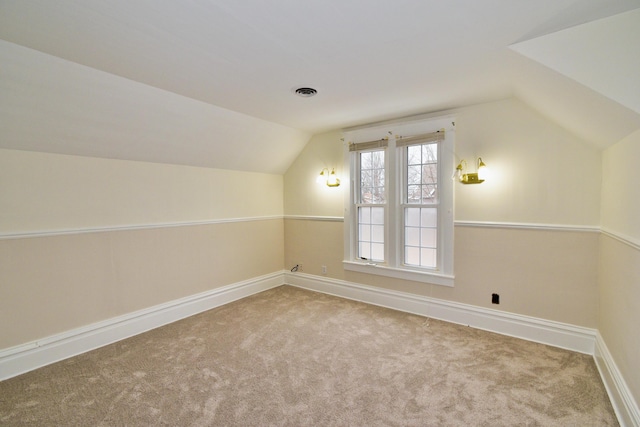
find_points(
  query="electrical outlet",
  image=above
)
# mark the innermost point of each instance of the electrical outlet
(495, 299)
(324, 270)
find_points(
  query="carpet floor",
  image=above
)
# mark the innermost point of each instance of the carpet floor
(291, 357)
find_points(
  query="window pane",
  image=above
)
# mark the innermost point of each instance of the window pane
(429, 173)
(414, 155)
(412, 256)
(365, 181)
(414, 194)
(377, 215)
(365, 232)
(377, 233)
(377, 252)
(428, 258)
(412, 217)
(364, 215)
(377, 195)
(365, 194)
(430, 153)
(378, 159)
(428, 237)
(429, 217)
(365, 250)
(365, 161)
(412, 236)
(429, 194)
(414, 175)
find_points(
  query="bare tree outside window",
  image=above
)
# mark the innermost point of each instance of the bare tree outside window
(422, 173)
(372, 177)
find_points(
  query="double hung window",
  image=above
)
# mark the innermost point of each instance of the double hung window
(371, 205)
(399, 220)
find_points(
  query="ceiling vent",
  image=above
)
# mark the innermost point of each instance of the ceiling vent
(306, 92)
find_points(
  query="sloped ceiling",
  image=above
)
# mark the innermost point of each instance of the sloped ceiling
(603, 55)
(53, 105)
(209, 83)
(583, 64)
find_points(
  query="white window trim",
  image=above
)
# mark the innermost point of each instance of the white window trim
(393, 238)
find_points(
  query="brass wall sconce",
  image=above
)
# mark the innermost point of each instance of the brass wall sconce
(472, 177)
(329, 178)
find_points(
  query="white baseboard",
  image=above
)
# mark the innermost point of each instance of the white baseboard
(548, 332)
(621, 398)
(27, 357)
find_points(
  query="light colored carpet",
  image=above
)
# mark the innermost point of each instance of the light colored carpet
(290, 357)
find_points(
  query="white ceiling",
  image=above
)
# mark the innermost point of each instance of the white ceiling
(209, 82)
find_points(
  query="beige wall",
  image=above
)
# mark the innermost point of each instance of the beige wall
(57, 283)
(539, 273)
(619, 278)
(54, 283)
(540, 173)
(302, 194)
(547, 273)
(49, 192)
(620, 194)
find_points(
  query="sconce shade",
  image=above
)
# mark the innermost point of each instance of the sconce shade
(333, 180)
(483, 170)
(457, 174)
(322, 178)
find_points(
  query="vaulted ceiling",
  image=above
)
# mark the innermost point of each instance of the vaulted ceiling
(210, 82)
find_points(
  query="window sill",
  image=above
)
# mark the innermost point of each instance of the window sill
(399, 273)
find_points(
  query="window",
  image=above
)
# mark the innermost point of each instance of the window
(399, 220)
(420, 205)
(371, 205)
